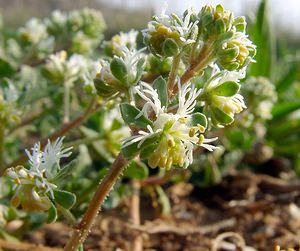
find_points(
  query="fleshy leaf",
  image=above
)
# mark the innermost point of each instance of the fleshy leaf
(64, 198)
(160, 85)
(131, 115)
(198, 118)
(227, 89)
(136, 170)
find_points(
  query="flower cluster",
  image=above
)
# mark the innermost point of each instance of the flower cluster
(167, 35)
(221, 97)
(34, 189)
(83, 28)
(166, 130)
(118, 42)
(172, 136)
(261, 96)
(60, 69)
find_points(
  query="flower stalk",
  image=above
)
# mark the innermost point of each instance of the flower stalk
(80, 232)
(173, 74)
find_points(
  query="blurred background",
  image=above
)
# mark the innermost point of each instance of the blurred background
(127, 14)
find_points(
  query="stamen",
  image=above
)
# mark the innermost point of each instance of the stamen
(171, 143)
(192, 132)
(201, 139)
(201, 128)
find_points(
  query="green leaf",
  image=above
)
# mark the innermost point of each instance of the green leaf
(64, 172)
(6, 69)
(284, 109)
(288, 79)
(118, 69)
(130, 113)
(221, 116)
(136, 170)
(102, 88)
(227, 89)
(198, 118)
(160, 85)
(131, 150)
(52, 214)
(139, 69)
(262, 36)
(64, 198)
(170, 47)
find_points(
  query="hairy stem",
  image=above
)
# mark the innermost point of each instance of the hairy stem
(63, 130)
(81, 232)
(173, 74)
(204, 58)
(2, 165)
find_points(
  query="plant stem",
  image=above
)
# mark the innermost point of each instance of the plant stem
(173, 74)
(66, 118)
(81, 232)
(204, 58)
(2, 165)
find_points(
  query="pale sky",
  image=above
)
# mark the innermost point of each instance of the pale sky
(285, 13)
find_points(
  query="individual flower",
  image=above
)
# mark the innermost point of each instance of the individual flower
(56, 22)
(260, 94)
(173, 135)
(61, 70)
(119, 75)
(117, 43)
(167, 35)
(221, 98)
(33, 187)
(236, 52)
(34, 31)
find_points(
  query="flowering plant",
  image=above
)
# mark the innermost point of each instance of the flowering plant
(155, 106)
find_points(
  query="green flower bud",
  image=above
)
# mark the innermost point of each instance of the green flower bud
(221, 98)
(236, 52)
(167, 35)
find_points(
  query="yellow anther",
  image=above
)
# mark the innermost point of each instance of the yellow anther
(171, 143)
(163, 161)
(192, 132)
(183, 120)
(201, 139)
(201, 128)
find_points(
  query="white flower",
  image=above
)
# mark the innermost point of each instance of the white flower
(122, 40)
(176, 137)
(66, 70)
(186, 29)
(43, 166)
(229, 105)
(131, 57)
(34, 31)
